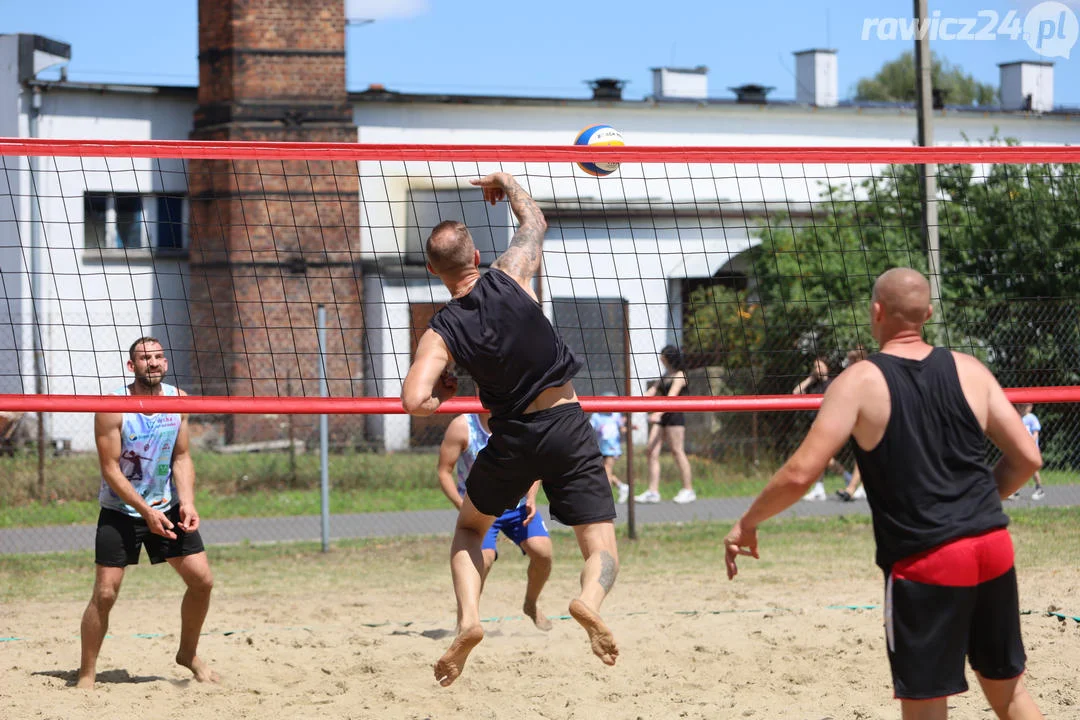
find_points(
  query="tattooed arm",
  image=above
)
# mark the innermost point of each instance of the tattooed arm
(522, 259)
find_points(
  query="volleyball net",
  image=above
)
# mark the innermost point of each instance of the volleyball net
(752, 262)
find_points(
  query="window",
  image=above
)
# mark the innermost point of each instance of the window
(129, 221)
(489, 225)
(170, 221)
(595, 330)
(94, 222)
(124, 221)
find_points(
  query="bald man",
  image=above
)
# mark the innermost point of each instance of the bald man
(919, 416)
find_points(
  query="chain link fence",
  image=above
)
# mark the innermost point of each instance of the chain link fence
(1026, 342)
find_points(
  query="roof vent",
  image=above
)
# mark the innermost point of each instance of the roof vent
(751, 93)
(607, 88)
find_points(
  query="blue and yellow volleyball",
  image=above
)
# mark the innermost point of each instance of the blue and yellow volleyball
(599, 135)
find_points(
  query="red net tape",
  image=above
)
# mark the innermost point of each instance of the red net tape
(236, 150)
(392, 406)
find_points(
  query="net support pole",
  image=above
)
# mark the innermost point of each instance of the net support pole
(631, 524)
(928, 171)
(324, 434)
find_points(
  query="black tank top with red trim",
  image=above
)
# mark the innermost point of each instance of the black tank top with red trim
(927, 481)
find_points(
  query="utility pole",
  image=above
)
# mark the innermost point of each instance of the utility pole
(37, 302)
(928, 171)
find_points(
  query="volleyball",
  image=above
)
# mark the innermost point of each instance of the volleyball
(599, 135)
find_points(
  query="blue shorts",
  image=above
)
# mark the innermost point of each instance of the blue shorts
(512, 524)
(610, 448)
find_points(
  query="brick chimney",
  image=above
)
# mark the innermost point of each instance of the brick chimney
(271, 240)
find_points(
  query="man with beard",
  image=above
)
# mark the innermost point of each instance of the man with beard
(147, 499)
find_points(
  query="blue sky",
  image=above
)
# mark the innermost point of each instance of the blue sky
(549, 48)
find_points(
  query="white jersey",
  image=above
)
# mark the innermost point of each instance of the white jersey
(146, 448)
(478, 440)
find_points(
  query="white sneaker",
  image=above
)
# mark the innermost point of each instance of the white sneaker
(1039, 494)
(816, 493)
(624, 493)
(649, 496)
(684, 496)
(859, 494)
(1014, 496)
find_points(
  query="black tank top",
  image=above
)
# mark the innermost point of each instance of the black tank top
(498, 334)
(927, 481)
(663, 385)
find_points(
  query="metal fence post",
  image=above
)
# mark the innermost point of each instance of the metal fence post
(324, 434)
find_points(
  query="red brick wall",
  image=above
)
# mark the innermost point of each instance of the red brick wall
(272, 240)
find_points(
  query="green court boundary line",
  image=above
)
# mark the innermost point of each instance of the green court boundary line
(852, 607)
(1063, 617)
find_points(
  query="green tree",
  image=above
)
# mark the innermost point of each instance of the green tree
(722, 325)
(1015, 289)
(1010, 241)
(813, 279)
(1010, 246)
(895, 82)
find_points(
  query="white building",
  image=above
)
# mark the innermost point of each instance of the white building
(112, 257)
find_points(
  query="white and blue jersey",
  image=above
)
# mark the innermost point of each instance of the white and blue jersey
(608, 429)
(512, 522)
(478, 440)
(146, 449)
(1033, 425)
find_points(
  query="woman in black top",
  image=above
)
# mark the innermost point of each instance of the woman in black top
(670, 426)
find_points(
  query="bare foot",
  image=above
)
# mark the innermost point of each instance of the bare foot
(86, 682)
(539, 619)
(453, 660)
(603, 642)
(199, 669)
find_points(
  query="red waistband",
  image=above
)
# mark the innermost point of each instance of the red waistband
(964, 562)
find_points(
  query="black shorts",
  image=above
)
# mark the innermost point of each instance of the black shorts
(559, 447)
(673, 419)
(119, 537)
(930, 626)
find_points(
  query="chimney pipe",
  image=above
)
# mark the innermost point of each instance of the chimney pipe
(1027, 85)
(681, 83)
(816, 78)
